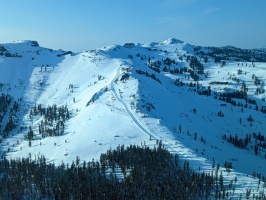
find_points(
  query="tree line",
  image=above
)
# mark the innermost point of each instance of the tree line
(148, 173)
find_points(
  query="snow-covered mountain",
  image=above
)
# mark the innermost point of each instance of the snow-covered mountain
(205, 103)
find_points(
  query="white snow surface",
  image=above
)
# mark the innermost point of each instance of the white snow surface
(119, 115)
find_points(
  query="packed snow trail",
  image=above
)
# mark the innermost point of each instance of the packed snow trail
(125, 105)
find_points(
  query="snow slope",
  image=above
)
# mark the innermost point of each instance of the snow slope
(115, 98)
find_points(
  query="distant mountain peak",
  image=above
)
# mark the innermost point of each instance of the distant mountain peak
(172, 41)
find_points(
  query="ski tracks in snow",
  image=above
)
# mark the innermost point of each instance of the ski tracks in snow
(131, 115)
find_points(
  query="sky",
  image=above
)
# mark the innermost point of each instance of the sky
(80, 25)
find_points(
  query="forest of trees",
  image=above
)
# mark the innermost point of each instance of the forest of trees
(149, 173)
(8, 112)
(53, 122)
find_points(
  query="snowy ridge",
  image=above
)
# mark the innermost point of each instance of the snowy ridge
(140, 94)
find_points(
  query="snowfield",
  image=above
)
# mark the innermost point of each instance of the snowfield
(122, 95)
